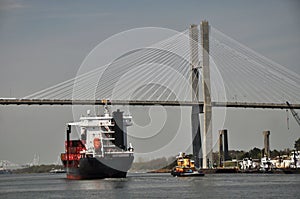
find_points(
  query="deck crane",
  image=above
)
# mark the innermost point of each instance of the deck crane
(294, 113)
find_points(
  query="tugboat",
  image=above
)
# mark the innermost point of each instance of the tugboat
(185, 167)
(102, 151)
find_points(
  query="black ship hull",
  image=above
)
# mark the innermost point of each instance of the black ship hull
(97, 168)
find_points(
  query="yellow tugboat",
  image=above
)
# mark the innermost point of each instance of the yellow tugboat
(185, 167)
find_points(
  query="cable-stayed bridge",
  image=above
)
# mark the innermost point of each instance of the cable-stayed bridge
(206, 71)
(161, 74)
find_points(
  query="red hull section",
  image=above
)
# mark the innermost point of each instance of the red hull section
(79, 167)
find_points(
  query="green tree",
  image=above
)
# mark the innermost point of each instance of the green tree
(255, 153)
(297, 145)
(275, 153)
(245, 155)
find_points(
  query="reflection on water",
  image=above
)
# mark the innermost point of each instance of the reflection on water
(102, 184)
(151, 185)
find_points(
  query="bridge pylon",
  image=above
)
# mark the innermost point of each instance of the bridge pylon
(207, 107)
(195, 116)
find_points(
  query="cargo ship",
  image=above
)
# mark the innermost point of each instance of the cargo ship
(101, 151)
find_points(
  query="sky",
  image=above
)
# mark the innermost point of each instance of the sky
(43, 43)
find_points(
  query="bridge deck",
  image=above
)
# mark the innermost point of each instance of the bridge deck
(11, 101)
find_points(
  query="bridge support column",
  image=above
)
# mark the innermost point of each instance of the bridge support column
(207, 108)
(225, 135)
(223, 147)
(195, 118)
(266, 143)
(221, 153)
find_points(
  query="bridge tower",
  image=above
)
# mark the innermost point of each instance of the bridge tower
(207, 108)
(195, 117)
(202, 153)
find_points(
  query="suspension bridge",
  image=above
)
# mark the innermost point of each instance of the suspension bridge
(202, 72)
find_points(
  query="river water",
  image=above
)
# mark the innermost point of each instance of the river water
(144, 185)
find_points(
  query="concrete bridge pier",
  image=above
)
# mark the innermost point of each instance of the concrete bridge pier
(266, 143)
(223, 146)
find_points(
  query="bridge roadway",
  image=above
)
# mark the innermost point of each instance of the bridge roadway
(15, 101)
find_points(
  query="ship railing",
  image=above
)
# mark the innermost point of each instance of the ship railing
(107, 131)
(93, 154)
(108, 138)
(117, 152)
(109, 145)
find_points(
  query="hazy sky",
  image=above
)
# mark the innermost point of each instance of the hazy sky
(43, 43)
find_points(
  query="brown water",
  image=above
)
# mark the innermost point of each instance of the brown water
(142, 185)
